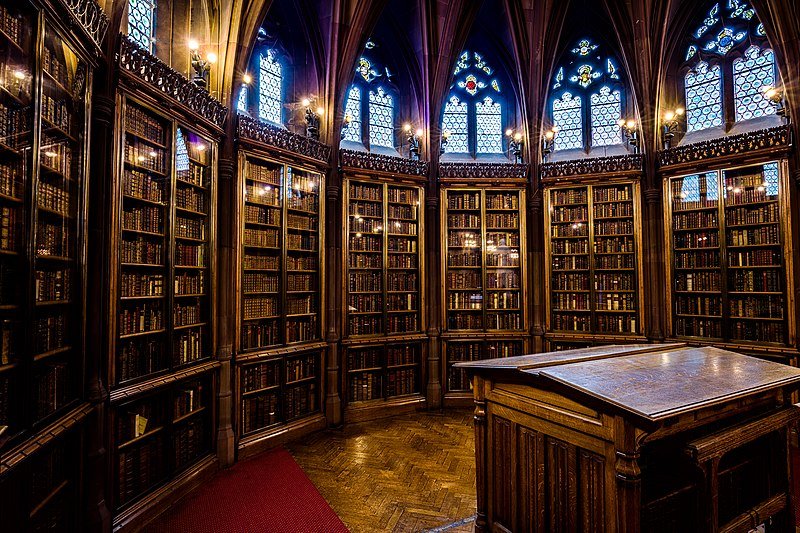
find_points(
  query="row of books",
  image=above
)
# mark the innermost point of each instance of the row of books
(569, 196)
(298, 305)
(258, 282)
(303, 183)
(190, 199)
(143, 186)
(753, 236)
(695, 220)
(189, 442)
(139, 357)
(9, 228)
(143, 124)
(698, 281)
(50, 333)
(261, 307)
(697, 239)
(402, 323)
(11, 177)
(140, 468)
(52, 285)
(12, 24)
(502, 221)
(607, 245)
(141, 318)
(402, 302)
(265, 174)
(260, 238)
(56, 155)
(762, 214)
(756, 307)
(51, 388)
(53, 198)
(190, 283)
(193, 174)
(614, 282)
(56, 112)
(359, 242)
(400, 245)
(298, 222)
(361, 209)
(570, 214)
(259, 335)
(259, 412)
(262, 215)
(464, 201)
(399, 195)
(365, 282)
(190, 228)
(54, 240)
(187, 400)
(301, 242)
(401, 212)
(621, 193)
(309, 204)
(300, 401)
(360, 191)
(145, 156)
(260, 376)
(190, 255)
(301, 329)
(615, 210)
(141, 251)
(265, 195)
(133, 285)
(14, 124)
(187, 314)
(143, 218)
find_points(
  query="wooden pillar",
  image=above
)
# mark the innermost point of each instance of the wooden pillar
(536, 270)
(629, 478)
(226, 295)
(481, 464)
(433, 277)
(654, 257)
(334, 274)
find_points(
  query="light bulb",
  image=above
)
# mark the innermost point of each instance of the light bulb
(419, 132)
(247, 79)
(193, 44)
(669, 115)
(509, 132)
(517, 136)
(19, 74)
(306, 102)
(680, 111)
(406, 127)
(212, 57)
(631, 124)
(320, 111)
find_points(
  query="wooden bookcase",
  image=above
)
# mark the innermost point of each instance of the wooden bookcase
(47, 64)
(162, 325)
(484, 294)
(384, 297)
(280, 311)
(728, 256)
(593, 257)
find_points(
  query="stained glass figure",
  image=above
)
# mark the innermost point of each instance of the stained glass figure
(585, 76)
(141, 23)
(454, 121)
(703, 97)
(559, 78)
(488, 119)
(606, 112)
(725, 26)
(352, 109)
(567, 117)
(471, 84)
(584, 48)
(270, 88)
(381, 118)
(480, 64)
(751, 73)
(366, 70)
(611, 68)
(495, 85)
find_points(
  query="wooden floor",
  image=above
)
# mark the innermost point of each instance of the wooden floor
(408, 473)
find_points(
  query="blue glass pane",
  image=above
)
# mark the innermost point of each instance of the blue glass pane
(141, 22)
(241, 103)
(269, 95)
(703, 97)
(381, 119)
(751, 74)
(488, 116)
(454, 121)
(352, 109)
(567, 118)
(605, 115)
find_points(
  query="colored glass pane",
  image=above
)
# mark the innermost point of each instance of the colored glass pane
(141, 22)
(751, 73)
(606, 112)
(269, 88)
(352, 109)
(567, 118)
(488, 119)
(454, 121)
(381, 119)
(703, 87)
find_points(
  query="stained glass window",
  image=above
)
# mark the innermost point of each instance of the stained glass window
(454, 121)
(241, 103)
(352, 109)
(269, 95)
(703, 97)
(381, 119)
(606, 112)
(141, 22)
(751, 74)
(567, 118)
(181, 153)
(488, 118)
(771, 178)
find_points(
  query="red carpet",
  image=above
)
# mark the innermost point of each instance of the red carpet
(270, 493)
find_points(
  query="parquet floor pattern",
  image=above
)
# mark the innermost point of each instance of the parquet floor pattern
(403, 474)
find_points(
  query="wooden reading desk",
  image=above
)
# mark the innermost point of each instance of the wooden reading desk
(649, 437)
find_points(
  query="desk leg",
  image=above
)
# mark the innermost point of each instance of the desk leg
(481, 464)
(629, 479)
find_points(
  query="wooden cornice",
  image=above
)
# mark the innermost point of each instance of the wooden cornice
(29, 447)
(132, 391)
(598, 167)
(382, 164)
(260, 356)
(141, 68)
(281, 141)
(483, 173)
(772, 142)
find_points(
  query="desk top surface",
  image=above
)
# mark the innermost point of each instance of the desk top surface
(652, 381)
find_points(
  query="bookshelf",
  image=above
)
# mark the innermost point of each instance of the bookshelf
(161, 338)
(164, 319)
(383, 257)
(279, 390)
(280, 314)
(729, 256)
(44, 95)
(159, 435)
(483, 294)
(384, 297)
(593, 256)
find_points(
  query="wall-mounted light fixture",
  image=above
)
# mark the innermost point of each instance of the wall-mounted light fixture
(413, 137)
(515, 141)
(201, 65)
(548, 143)
(775, 97)
(630, 133)
(312, 118)
(443, 143)
(670, 124)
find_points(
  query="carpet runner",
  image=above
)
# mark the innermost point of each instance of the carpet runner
(269, 493)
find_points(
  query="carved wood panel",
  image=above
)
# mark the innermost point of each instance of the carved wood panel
(591, 470)
(502, 472)
(530, 469)
(562, 489)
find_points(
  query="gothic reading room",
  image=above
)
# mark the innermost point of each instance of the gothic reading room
(330, 266)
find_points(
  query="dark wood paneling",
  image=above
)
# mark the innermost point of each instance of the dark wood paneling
(502, 471)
